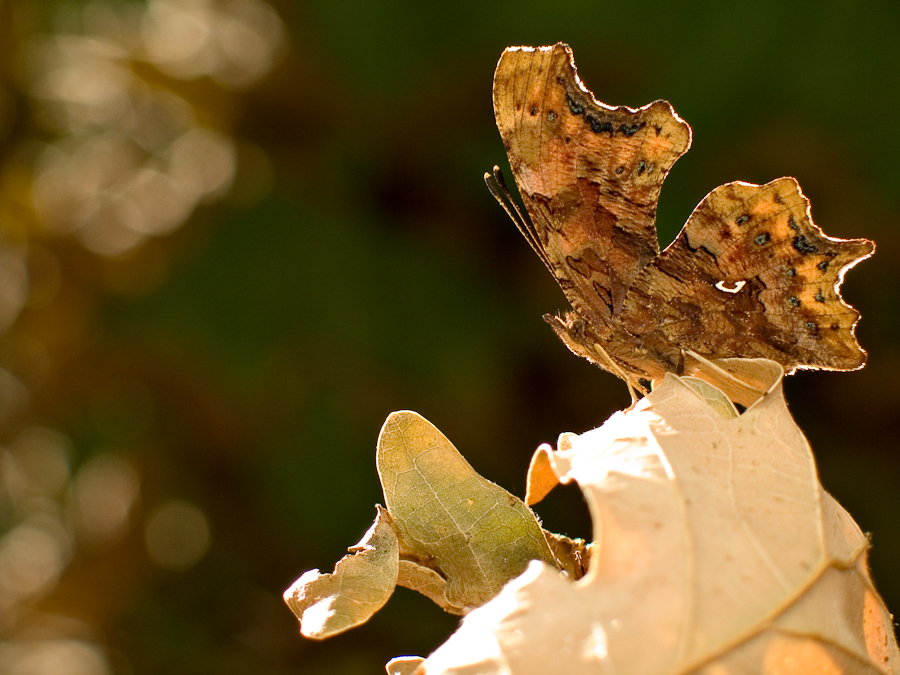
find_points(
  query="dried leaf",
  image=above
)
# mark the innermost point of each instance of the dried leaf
(328, 604)
(573, 556)
(741, 380)
(541, 476)
(403, 665)
(717, 551)
(428, 582)
(713, 397)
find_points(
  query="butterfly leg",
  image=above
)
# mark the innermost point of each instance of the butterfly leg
(607, 361)
(635, 390)
(634, 395)
(575, 334)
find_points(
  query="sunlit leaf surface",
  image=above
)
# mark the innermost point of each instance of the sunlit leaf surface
(717, 552)
(448, 533)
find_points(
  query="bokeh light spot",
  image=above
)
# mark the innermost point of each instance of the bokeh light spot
(32, 557)
(177, 535)
(52, 657)
(42, 456)
(103, 494)
(202, 162)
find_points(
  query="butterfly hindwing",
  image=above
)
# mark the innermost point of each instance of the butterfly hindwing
(751, 275)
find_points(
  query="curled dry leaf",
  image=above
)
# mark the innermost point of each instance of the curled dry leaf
(448, 533)
(403, 665)
(362, 582)
(717, 551)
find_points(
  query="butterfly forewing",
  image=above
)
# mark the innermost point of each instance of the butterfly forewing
(589, 174)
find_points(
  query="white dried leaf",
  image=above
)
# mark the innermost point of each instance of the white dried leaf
(717, 552)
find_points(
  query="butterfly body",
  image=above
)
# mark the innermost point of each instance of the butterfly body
(750, 275)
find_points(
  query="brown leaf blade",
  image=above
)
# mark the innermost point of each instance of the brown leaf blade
(403, 665)
(328, 604)
(541, 477)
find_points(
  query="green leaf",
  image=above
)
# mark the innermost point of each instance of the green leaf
(475, 533)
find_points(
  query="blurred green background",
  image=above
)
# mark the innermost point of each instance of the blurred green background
(237, 234)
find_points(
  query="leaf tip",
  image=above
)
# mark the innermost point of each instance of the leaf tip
(542, 477)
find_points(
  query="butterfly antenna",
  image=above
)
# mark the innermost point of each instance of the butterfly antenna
(497, 185)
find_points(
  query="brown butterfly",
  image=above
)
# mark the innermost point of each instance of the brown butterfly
(750, 275)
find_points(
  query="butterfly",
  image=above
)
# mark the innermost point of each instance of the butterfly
(749, 276)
